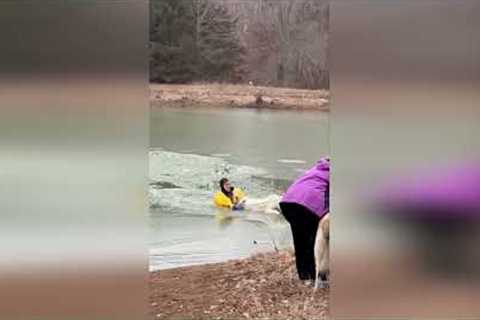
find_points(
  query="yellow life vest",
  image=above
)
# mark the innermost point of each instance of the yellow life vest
(221, 200)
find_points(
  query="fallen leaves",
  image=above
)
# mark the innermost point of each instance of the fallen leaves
(262, 287)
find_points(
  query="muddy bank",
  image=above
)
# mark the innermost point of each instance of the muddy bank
(262, 287)
(237, 96)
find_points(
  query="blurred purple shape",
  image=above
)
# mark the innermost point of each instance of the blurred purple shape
(447, 191)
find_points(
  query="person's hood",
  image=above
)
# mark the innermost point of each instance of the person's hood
(323, 164)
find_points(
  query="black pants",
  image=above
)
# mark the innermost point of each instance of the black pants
(304, 225)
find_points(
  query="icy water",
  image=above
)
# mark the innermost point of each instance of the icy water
(261, 152)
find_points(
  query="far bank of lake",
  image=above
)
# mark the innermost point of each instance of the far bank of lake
(238, 96)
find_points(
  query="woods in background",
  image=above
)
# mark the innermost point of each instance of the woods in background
(282, 43)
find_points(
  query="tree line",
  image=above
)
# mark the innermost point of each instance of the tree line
(280, 43)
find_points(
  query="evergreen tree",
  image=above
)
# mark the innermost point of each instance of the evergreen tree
(193, 40)
(172, 58)
(219, 51)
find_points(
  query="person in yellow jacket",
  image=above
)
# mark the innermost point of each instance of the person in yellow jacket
(229, 196)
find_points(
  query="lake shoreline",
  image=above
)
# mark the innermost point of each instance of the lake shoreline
(264, 286)
(238, 97)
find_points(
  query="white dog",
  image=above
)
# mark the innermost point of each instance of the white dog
(322, 252)
(269, 204)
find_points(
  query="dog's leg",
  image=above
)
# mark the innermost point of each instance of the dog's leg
(322, 252)
(319, 246)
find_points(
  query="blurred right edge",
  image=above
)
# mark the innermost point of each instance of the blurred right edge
(405, 155)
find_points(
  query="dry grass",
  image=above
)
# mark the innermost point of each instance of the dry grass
(240, 96)
(262, 287)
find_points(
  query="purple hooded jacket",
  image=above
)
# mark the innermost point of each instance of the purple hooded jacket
(311, 189)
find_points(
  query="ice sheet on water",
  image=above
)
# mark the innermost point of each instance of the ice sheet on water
(292, 161)
(181, 201)
(196, 177)
(221, 155)
(196, 171)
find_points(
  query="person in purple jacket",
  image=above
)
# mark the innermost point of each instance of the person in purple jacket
(304, 203)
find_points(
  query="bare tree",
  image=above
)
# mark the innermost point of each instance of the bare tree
(286, 41)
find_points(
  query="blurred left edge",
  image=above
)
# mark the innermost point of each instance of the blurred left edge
(73, 159)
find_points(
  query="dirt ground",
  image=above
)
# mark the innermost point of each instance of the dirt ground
(238, 96)
(264, 286)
